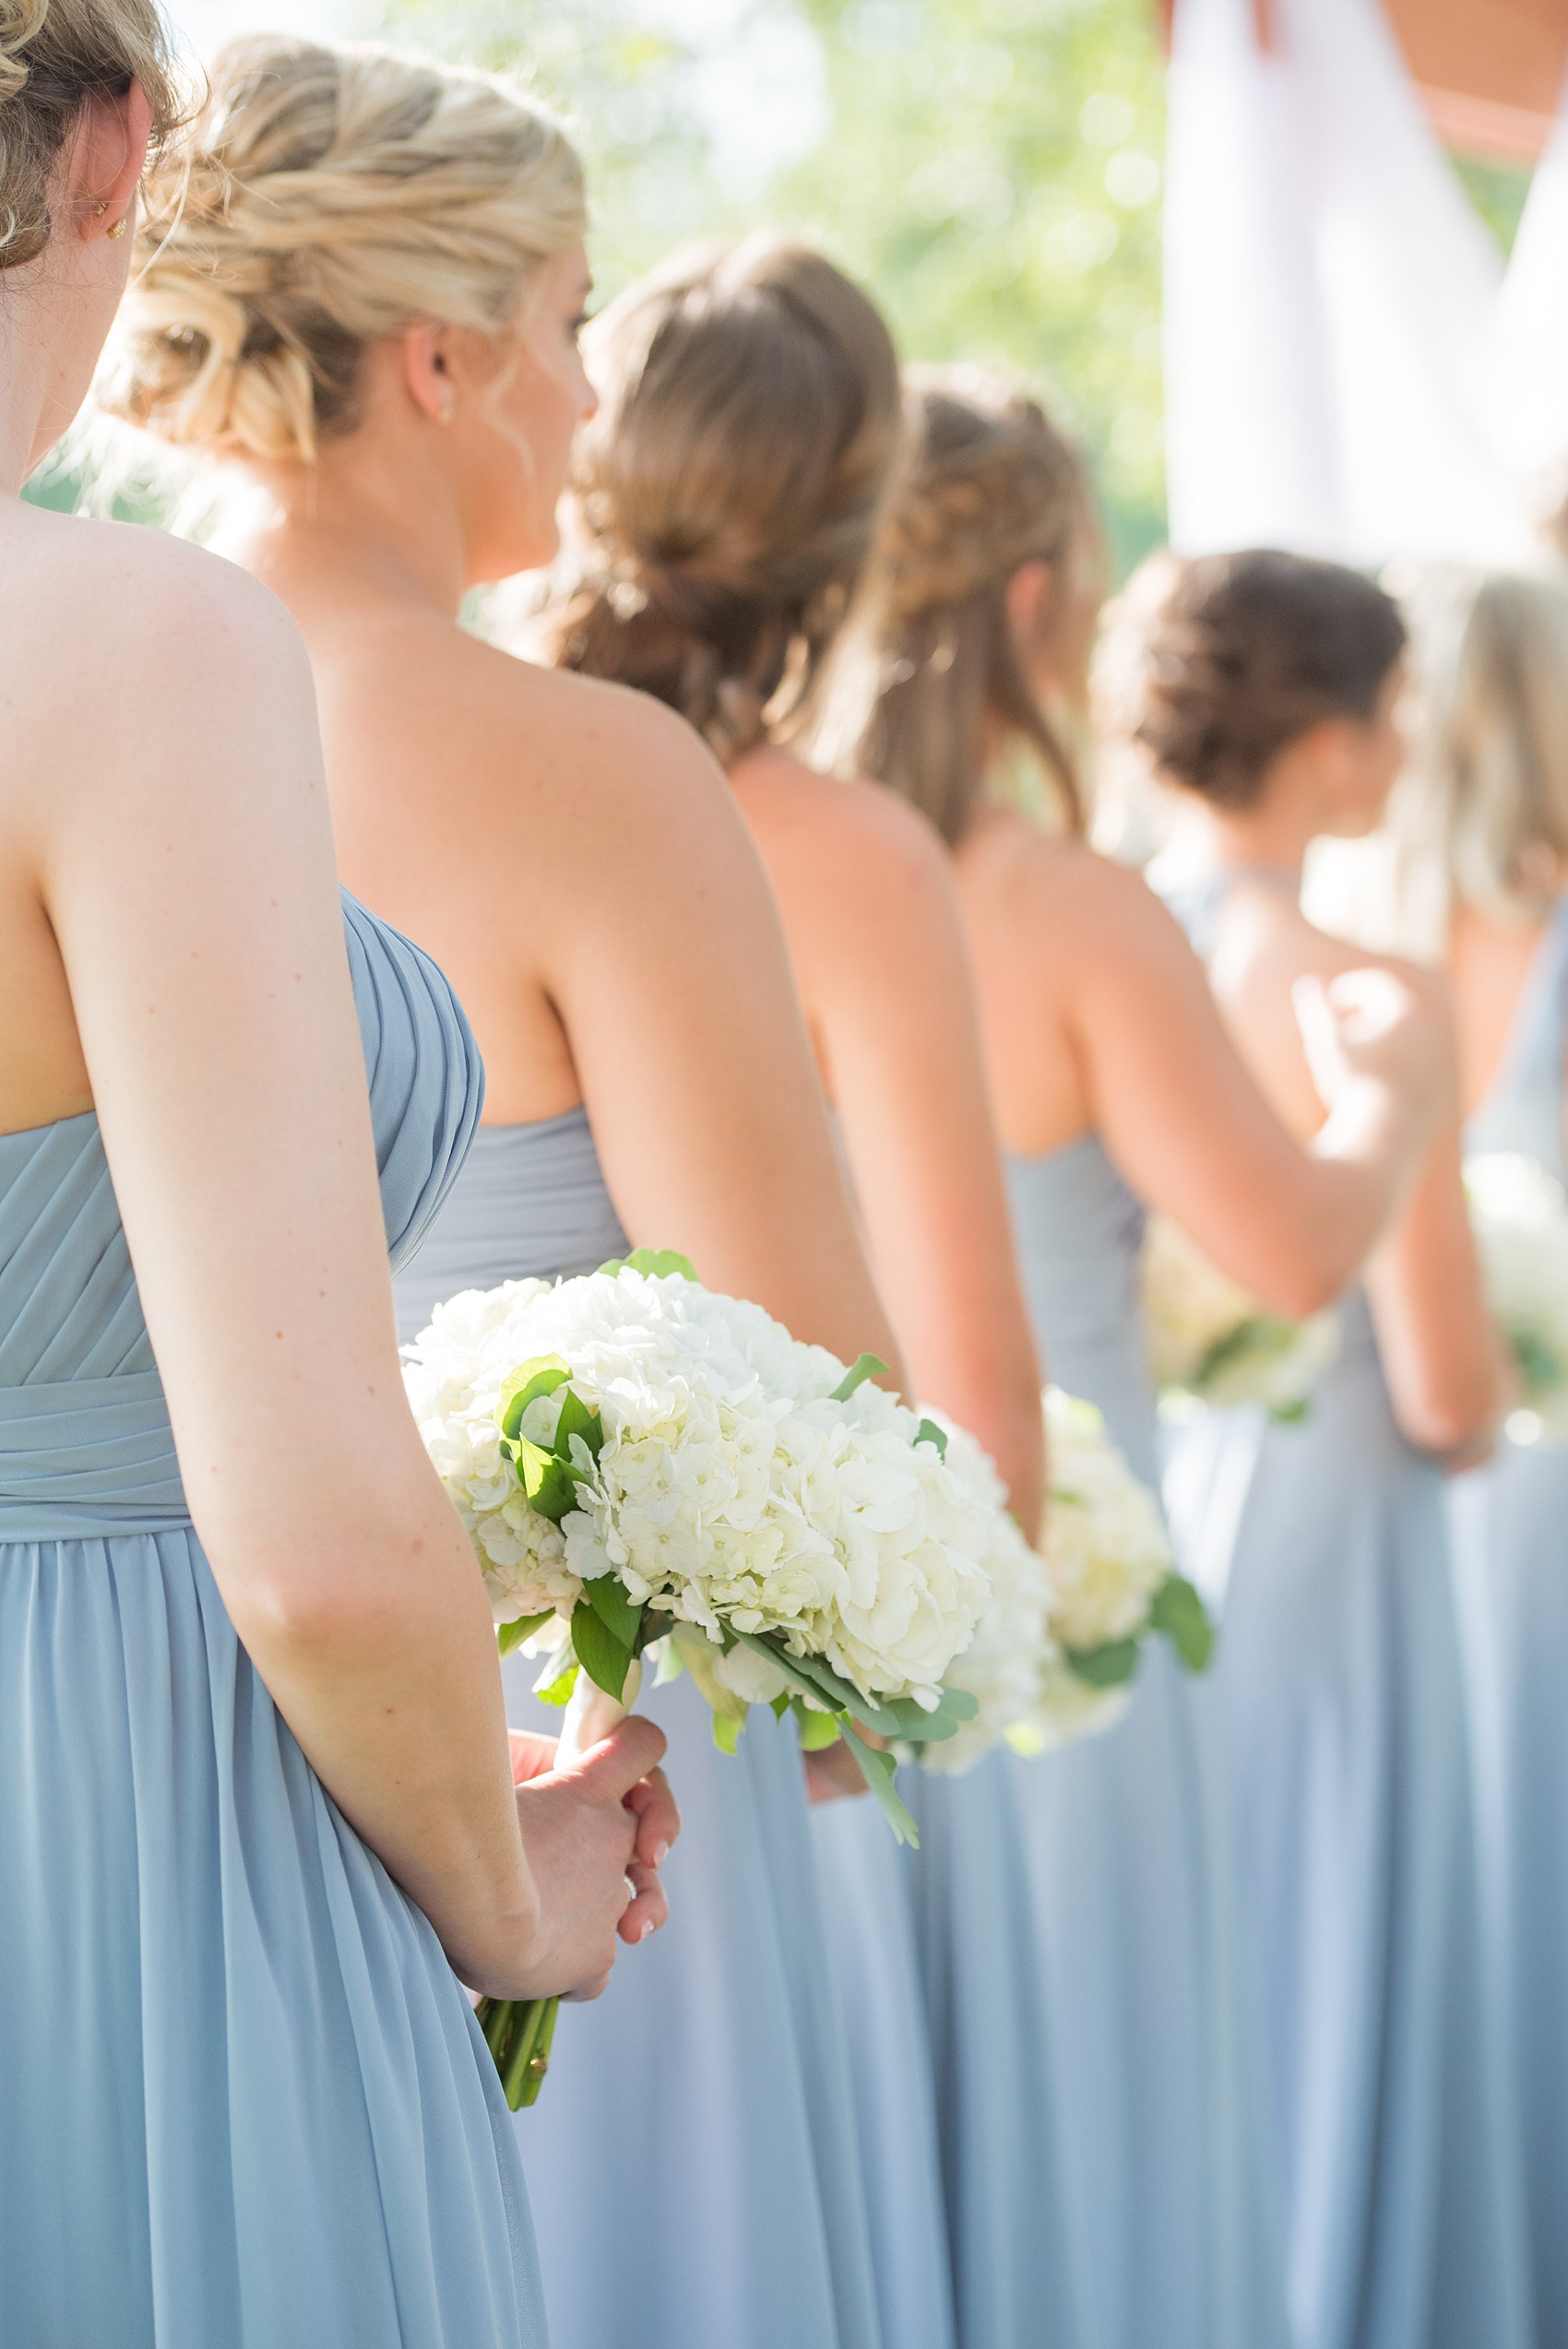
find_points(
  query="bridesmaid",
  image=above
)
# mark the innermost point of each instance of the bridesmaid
(365, 297)
(1480, 826)
(718, 582)
(255, 1801)
(1267, 697)
(1116, 1086)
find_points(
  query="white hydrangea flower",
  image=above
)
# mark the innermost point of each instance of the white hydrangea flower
(1105, 1540)
(1208, 1339)
(731, 1489)
(1004, 1664)
(1520, 1220)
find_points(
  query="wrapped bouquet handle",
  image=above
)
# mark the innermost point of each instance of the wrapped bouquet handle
(520, 2032)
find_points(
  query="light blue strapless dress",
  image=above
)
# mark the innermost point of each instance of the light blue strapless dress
(692, 2160)
(242, 2099)
(1129, 1845)
(1510, 1526)
(1339, 1686)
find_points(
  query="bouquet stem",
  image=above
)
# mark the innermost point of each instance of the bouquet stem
(518, 2032)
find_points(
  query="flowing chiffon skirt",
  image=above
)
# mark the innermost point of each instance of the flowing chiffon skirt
(1510, 1526)
(692, 2160)
(217, 2148)
(1339, 1690)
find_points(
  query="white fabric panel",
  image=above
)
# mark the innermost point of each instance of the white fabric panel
(1331, 299)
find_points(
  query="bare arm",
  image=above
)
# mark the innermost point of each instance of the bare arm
(672, 980)
(870, 909)
(1440, 1353)
(1096, 1007)
(1424, 1284)
(187, 877)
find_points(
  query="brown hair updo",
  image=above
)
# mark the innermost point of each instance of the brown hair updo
(991, 484)
(55, 54)
(1241, 655)
(327, 197)
(727, 495)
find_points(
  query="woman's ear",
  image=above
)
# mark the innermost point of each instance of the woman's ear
(1030, 598)
(427, 371)
(108, 157)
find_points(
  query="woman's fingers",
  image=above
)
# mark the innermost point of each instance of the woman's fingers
(658, 1820)
(648, 1909)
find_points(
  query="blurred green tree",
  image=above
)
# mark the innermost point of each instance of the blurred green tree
(989, 168)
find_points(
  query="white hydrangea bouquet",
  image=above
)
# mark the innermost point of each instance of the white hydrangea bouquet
(1210, 1342)
(1519, 1216)
(1055, 1652)
(637, 1460)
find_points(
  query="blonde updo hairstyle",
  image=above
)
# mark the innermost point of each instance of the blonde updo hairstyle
(727, 495)
(55, 54)
(1481, 812)
(328, 197)
(991, 485)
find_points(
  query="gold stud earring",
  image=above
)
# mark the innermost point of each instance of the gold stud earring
(100, 208)
(118, 228)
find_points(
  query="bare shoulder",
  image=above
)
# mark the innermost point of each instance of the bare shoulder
(135, 656)
(858, 837)
(145, 594)
(548, 741)
(1061, 900)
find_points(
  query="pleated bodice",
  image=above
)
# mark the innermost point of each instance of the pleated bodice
(530, 1203)
(1079, 1232)
(85, 1442)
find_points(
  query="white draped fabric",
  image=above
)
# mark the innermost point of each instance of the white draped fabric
(1332, 303)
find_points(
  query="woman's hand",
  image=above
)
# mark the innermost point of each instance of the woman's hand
(833, 1774)
(588, 1831)
(1391, 1027)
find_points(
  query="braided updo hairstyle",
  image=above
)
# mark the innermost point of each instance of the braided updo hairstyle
(1233, 656)
(726, 497)
(991, 485)
(328, 197)
(55, 54)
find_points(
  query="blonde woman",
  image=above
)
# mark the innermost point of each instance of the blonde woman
(1480, 830)
(255, 1804)
(1117, 1090)
(1268, 697)
(726, 499)
(363, 289)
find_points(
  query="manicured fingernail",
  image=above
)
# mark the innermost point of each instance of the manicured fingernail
(647, 1930)
(661, 1854)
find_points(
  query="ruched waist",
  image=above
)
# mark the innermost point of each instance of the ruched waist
(86, 1456)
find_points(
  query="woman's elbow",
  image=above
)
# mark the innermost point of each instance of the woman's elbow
(1451, 1413)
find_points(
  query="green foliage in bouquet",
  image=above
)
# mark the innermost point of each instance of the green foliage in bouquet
(1178, 1612)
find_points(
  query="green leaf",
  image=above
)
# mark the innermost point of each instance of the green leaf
(867, 1367)
(670, 1666)
(549, 1484)
(513, 1634)
(892, 1717)
(526, 1383)
(559, 1690)
(577, 1419)
(818, 1730)
(1291, 1414)
(656, 1263)
(603, 1657)
(620, 1616)
(1104, 1667)
(1179, 1612)
(780, 1705)
(928, 1432)
(877, 1770)
(726, 1728)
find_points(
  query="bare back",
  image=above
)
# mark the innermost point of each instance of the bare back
(573, 858)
